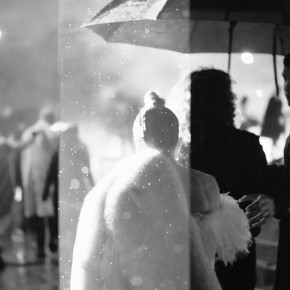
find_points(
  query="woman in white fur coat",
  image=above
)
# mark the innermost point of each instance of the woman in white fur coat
(153, 224)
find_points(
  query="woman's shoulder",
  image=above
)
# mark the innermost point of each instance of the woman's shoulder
(197, 175)
(135, 173)
(140, 181)
(145, 164)
(204, 190)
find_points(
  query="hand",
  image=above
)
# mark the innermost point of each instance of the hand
(260, 210)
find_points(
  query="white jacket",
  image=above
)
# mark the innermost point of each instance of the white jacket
(136, 232)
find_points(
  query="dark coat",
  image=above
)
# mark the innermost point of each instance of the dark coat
(6, 184)
(283, 259)
(237, 161)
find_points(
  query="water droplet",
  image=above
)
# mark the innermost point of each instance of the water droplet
(178, 248)
(75, 184)
(136, 281)
(127, 215)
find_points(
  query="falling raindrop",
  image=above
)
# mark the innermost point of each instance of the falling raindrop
(75, 184)
(85, 170)
(127, 215)
(178, 248)
(136, 281)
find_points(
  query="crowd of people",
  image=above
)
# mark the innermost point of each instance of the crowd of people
(158, 220)
(153, 223)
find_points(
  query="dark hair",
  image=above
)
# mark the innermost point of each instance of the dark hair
(156, 124)
(287, 60)
(212, 99)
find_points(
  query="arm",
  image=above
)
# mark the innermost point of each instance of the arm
(14, 145)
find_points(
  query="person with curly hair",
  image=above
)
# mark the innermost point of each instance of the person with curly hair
(234, 157)
(282, 280)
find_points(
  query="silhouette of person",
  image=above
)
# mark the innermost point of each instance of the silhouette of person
(35, 160)
(7, 185)
(51, 188)
(234, 157)
(7, 195)
(282, 281)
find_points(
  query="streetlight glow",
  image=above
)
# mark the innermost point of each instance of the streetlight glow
(247, 58)
(259, 93)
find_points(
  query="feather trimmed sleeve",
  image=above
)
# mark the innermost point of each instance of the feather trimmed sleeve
(226, 231)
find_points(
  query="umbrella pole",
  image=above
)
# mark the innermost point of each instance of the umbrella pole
(274, 54)
(231, 32)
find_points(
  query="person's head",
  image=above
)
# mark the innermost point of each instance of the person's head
(286, 76)
(156, 126)
(212, 99)
(47, 114)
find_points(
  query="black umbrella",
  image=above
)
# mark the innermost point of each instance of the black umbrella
(198, 27)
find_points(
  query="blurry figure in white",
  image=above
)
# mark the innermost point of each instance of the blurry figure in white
(136, 230)
(35, 161)
(7, 188)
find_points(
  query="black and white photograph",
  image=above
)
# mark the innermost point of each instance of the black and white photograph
(144, 144)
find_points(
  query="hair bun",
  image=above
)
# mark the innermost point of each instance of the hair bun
(151, 99)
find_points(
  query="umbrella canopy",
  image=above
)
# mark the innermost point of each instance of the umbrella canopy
(181, 26)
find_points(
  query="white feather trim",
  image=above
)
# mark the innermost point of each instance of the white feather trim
(226, 231)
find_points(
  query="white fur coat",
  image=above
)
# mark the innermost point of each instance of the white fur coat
(135, 230)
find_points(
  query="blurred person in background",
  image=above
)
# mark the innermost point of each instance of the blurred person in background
(75, 181)
(273, 125)
(35, 160)
(6, 196)
(234, 157)
(51, 191)
(247, 121)
(7, 187)
(136, 228)
(282, 281)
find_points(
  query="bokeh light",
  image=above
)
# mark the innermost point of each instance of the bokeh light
(247, 58)
(259, 93)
